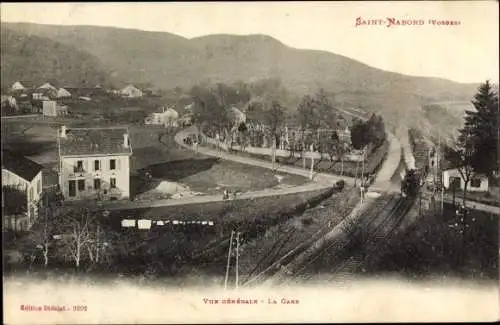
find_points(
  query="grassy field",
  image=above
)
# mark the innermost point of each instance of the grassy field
(435, 247)
(154, 149)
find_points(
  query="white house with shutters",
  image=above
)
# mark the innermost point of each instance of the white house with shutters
(94, 163)
(453, 179)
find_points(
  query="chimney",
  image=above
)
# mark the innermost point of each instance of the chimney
(63, 131)
(125, 140)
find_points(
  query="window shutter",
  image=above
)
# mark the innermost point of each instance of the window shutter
(86, 165)
(117, 163)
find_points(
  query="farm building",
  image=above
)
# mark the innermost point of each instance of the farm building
(51, 108)
(130, 92)
(23, 176)
(168, 117)
(47, 86)
(453, 179)
(63, 93)
(94, 163)
(17, 86)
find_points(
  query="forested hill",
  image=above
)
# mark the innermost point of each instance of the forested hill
(36, 60)
(168, 60)
(75, 53)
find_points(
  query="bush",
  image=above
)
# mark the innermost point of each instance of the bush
(339, 185)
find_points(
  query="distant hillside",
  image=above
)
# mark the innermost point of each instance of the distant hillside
(36, 60)
(168, 60)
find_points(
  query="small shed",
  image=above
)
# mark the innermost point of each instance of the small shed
(49, 108)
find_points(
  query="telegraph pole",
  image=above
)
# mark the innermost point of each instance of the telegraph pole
(312, 162)
(440, 176)
(228, 259)
(237, 257)
(363, 167)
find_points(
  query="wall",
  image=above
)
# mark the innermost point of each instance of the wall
(484, 186)
(33, 188)
(121, 174)
(49, 108)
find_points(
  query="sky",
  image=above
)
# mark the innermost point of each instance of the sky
(464, 52)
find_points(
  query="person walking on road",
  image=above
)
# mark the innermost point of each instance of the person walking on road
(362, 192)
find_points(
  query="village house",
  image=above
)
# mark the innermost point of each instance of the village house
(63, 93)
(131, 92)
(94, 163)
(453, 179)
(22, 174)
(18, 86)
(168, 117)
(54, 109)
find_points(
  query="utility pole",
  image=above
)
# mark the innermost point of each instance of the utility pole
(363, 167)
(274, 152)
(440, 176)
(228, 259)
(312, 161)
(237, 257)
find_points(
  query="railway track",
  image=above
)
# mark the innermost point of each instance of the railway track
(346, 250)
(268, 266)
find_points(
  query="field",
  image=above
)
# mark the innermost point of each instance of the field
(155, 151)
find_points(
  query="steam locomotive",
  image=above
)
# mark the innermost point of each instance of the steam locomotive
(411, 182)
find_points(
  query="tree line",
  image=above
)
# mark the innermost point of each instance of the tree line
(267, 116)
(476, 149)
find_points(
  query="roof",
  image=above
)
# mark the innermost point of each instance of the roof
(46, 86)
(94, 141)
(63, 92)
(455, 171)
(20, 165)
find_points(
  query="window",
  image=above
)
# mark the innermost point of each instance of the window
(81, 185)
(475, 182)
(455, 182)
(97, 183)
(79, 166)
(112, 164)
(96, 165)
(39, 186)
(112, 181)
(31, 194)
(72, 188)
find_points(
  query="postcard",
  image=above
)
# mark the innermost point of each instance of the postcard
(250, 162)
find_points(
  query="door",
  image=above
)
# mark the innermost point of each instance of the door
(72, 188)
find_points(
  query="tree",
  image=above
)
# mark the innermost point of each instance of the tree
(274, 116)
(41, 234)
(462, 157)
(483, 125)
(76, 235)
(208, 110)
(308, 117)
(359, 134)
(342, 149)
